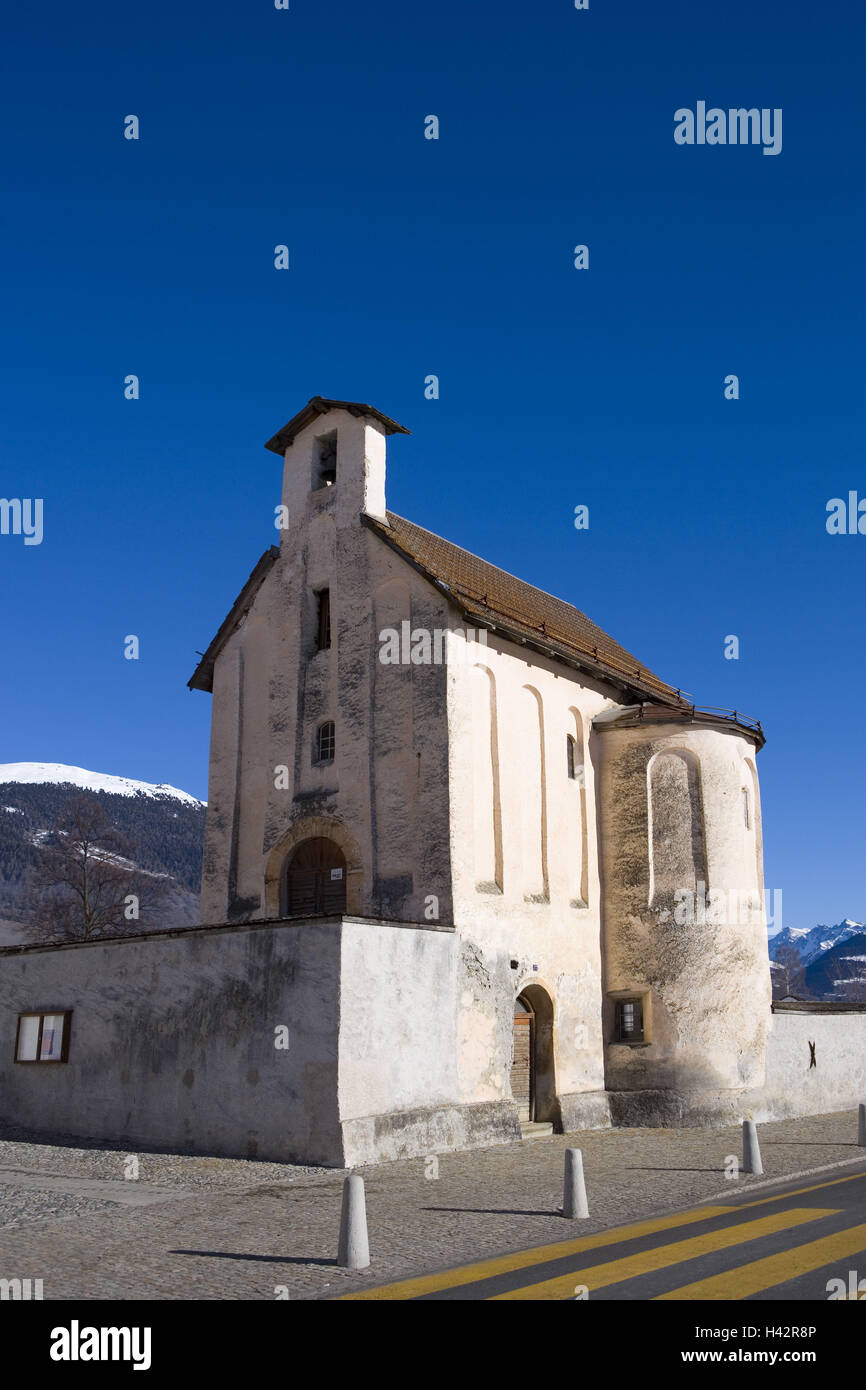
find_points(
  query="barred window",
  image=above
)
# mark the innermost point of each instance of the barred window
(629, 1020)
(325, 743)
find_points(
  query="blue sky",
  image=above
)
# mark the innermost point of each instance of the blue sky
(454, 257)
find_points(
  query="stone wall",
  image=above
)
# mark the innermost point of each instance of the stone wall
(173, 1042)
(675, 832)
(837, 1081)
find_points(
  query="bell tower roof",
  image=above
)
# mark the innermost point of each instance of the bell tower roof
(321, 405)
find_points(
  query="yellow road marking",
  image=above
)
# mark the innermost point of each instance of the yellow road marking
(487, 1269)
(646, 1261)
(775, 1269)
(798, 1191)
(522, 1259)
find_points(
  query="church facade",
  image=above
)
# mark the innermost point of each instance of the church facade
(520, 873)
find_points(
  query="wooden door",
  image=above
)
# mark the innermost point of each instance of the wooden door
(522, 1068)
(316, 879)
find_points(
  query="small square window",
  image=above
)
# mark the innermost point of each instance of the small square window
(629, 1020)
(43, 1037)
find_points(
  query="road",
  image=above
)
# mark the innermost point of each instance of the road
(786, 1241)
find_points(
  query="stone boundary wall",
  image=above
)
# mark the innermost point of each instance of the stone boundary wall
(837, 1081)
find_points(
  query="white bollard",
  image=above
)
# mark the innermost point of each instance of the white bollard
(354, 1249)
(751, 1149)
(861, 1125)
(574, 1204)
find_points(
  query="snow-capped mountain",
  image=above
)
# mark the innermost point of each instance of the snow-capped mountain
(822, 963)
(163, 826)
(809, 944)
(90, 781)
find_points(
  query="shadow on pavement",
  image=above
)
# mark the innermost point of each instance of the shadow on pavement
(266, 1259)
(494, 1211)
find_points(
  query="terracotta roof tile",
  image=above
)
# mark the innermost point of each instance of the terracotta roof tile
(496, 598)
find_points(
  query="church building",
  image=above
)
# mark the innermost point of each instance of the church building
(472, 873)
(521, 874)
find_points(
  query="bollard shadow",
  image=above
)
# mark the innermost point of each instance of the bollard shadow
(811, 1143)
(265, 1259)
(640, 1168)
(495, 1211)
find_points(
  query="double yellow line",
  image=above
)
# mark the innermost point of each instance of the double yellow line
(738, 1283)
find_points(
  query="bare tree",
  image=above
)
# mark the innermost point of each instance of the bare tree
(790, 976)
(84, 885)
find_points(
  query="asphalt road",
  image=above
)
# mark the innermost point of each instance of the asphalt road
(785, 1242)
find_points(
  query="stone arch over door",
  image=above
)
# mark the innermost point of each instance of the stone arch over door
(533, 1015)
(312, 828)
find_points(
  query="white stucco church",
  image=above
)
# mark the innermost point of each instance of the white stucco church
(500, 803)
(470, 867)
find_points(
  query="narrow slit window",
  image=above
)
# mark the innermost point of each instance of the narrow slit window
(747, 815)
(325, 461)
(323, 637)
(325, 743)
(571, 757)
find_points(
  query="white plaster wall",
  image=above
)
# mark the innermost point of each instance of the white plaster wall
(256, 765)
(397, 1019)
(173, 1041)
(222, 785)
(387, 786)
(533, 916)
(836, 1082)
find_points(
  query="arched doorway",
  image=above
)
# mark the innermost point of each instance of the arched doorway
(533, 1084)
(314, 881)
(522, 1080)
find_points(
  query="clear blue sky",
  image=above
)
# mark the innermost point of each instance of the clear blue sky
(410, 257)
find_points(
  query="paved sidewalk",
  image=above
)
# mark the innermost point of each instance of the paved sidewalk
(206, 1228)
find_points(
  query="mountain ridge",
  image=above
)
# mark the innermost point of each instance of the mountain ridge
(163, 824)
(30, 774)
(819, 968)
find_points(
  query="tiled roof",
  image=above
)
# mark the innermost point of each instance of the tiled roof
(497, 599)
(321, 405)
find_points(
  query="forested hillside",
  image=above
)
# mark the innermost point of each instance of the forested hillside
(165, 834)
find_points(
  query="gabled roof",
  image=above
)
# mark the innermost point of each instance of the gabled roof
(320, 405)
(491, 598)
(495, 599)
(202, 676)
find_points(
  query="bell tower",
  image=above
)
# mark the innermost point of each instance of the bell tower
(334, 455)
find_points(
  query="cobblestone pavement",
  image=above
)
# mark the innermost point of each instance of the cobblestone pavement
(210, 1228)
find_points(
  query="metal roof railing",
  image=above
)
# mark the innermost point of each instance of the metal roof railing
(735, 716)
